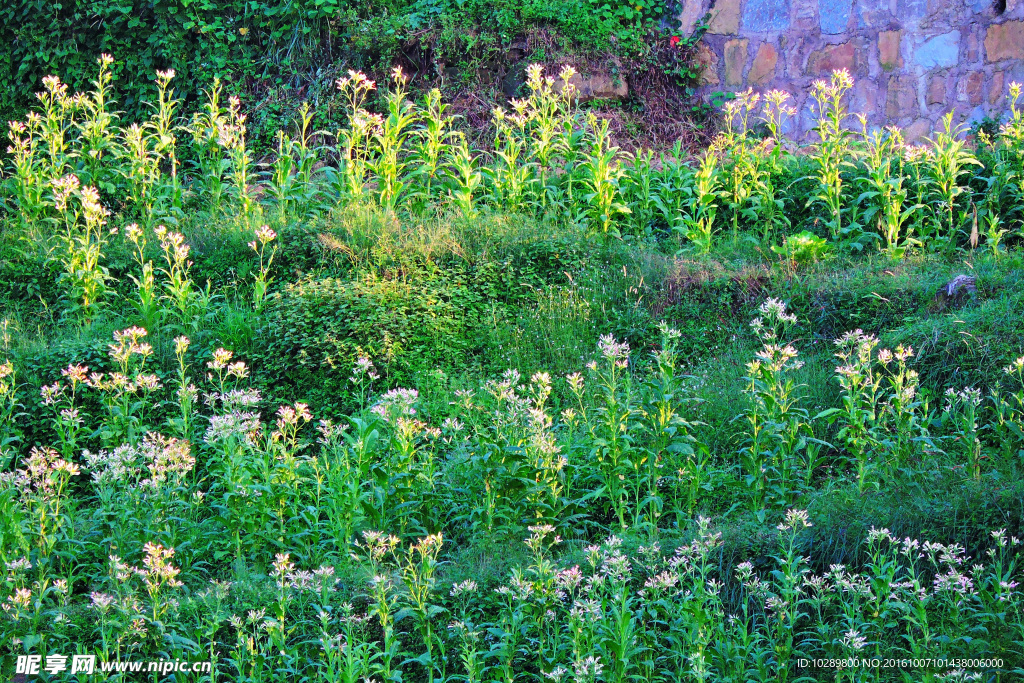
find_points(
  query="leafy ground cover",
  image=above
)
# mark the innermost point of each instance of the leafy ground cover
(400, 408)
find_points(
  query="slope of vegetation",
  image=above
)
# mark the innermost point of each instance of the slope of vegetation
(298, 419)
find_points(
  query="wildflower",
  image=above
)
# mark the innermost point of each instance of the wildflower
(76, 373)
(795, 520)
(611, 349)
(958, 676)
(220, 359)
(51, 393)
(673, 41)
(19, 601)
(396, 403)
(165, 457)
(556, 674)
(538, 533)
(662, 581)
(910, 546)
(119, 570)
(775, 309)
(291, 416)
(231, 425)
(238, 370)
(43, 473)
(853, 640)
(467, 587)
(589, 668)
(101, 601)
(775, 604)
(283, 566)
(880, 535)
(63, 188)
(181, 343)
(18, 566)
(569, 578)
(236, 399)
(158, 568)
(377, 545)
(954, 582)
(453, 425)
(363, 368)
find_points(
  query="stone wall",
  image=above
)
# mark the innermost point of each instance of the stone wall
(912, 60)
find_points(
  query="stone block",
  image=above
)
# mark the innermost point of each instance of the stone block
(941, 51)
(912, 9)
(834, 16)
(937, 90)
(600, 86)
(901, 98)
(765, 16)
(973, 48)
(1005, 41)
(808, 115)
(725, 18)
(804, 18)
(995, 89)
(976, 116)
(708, 60)
(889, 56)
(762, 69)
(918, 130)
(692, 12)
(988, 6)
(865, 97)
(735, 60)
(831, 58)
(872, 13)
(968, 88)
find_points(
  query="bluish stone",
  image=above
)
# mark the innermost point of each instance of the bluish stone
(870, 13)
(766, 16)
(939, 51)
(808, 116)
(834, 15)
(913, 9)
(980, 6)
(976, 117)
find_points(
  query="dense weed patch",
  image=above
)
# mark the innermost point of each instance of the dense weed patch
(299, 418)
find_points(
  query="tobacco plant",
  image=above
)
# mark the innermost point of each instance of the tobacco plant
(831, 152)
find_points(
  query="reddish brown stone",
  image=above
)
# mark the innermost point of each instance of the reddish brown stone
(708, 60)
(725, 18)
(762, 69)
(973, 47)
(889, 56)
(901, 98)
(917, 130)
(831, 58)
(1005, 41)
(865, 97)
(969, 89)
(735, 60)
(995, 89)
(937, 90)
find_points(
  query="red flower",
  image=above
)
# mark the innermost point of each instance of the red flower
(673, 41)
